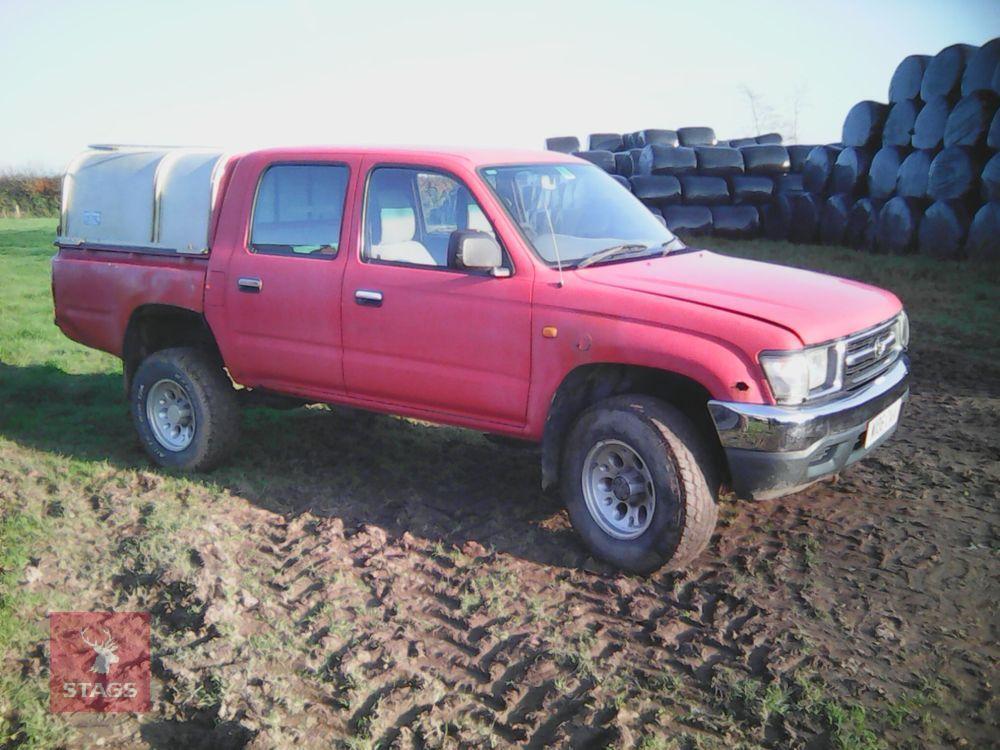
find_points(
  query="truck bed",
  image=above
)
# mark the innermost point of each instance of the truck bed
(96, 290)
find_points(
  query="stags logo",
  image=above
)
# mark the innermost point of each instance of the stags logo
(106, 656)
(99, 661)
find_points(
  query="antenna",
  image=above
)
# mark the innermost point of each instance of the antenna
(548, 184)
(555, 246)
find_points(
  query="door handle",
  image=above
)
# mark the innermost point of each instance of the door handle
(368, 297)
(249, 284)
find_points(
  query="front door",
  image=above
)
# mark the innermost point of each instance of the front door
(282, 288)
(418, 332)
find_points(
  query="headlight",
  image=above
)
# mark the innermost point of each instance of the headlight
(902, 330)
(806, 373)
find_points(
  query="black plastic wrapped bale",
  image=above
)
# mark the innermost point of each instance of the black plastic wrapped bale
(604, 142)
(954, 175)
(863, 124)
(741, 142)
(688, 219)
(797, 155)
(943, 231)
(701, 190)
(659, 137)
(751, 190)
(862, 222)
(911, 180)
(989, 180)
(818, 169)
(769, 139)
(984, 234)
(696, 136)
(928, 128)
(623, 181)
(656, 159)
(564, 144)
(993, 137)
(765, 159)
(883, 172)
(788, 183)
(806, 210)
(738, 222)
(969, 122)
(635, 154)
(623, 164)
(850, 171)
(898, 223)
(943, 76)
(979, 71)
(833, 220)
(604, 159)
(906, 80)
(628, 141)
(718, 160)
(776, 217)
(658, 189)
(898, 128)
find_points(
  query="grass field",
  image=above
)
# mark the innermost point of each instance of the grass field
(346, 580)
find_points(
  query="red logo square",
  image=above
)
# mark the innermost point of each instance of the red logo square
(99, 661)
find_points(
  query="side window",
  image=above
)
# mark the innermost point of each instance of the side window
(410, 215)
(299, 209)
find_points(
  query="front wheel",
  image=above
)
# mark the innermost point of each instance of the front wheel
(635, 481)
(185, 409)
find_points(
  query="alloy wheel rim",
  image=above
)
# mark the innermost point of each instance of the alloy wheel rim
(170, 414)
(618, 489)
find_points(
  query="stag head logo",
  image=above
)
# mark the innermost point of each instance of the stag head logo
(105, 650)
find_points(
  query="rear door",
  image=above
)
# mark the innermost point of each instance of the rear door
(418, 332)
(283, 281)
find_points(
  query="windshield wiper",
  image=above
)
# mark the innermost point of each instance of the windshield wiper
(611, 252)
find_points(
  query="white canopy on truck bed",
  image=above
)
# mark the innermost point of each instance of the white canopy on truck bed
(141, 197)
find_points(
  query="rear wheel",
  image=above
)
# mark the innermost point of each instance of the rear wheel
(636, 482)
(185, 409)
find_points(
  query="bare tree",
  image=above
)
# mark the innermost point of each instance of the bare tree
(797, 102)
(764, 118)
(754, 101)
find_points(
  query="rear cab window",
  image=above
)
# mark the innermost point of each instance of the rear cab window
(299, 210)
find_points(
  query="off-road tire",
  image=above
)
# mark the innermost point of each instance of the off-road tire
(682, 469)
(213, 399)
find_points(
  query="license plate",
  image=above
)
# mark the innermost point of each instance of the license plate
(882, 422)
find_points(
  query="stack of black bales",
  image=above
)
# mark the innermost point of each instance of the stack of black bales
(698, 184)
(920, 173)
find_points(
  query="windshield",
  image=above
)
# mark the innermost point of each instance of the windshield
(570, 212)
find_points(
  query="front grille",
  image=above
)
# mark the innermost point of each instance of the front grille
(870, 353)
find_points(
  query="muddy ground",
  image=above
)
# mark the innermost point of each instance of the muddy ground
(359, 580)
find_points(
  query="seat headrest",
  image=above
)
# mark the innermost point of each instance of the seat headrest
(397, 224)
(394, 218)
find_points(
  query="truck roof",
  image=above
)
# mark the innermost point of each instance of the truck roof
(477, 157)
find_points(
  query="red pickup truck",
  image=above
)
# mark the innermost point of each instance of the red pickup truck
(522, 294)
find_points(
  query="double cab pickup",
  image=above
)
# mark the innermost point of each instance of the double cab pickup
(523, 294)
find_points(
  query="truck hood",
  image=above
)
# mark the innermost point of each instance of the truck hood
(814, 306)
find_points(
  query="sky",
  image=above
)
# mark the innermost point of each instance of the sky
(240, 74)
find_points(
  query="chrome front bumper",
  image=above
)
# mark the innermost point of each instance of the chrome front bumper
(777, 450)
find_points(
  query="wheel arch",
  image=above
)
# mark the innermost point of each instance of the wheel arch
(588, 384)
(154, 327)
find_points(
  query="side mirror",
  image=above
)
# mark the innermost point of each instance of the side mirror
(659, 218)
(473, 250)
